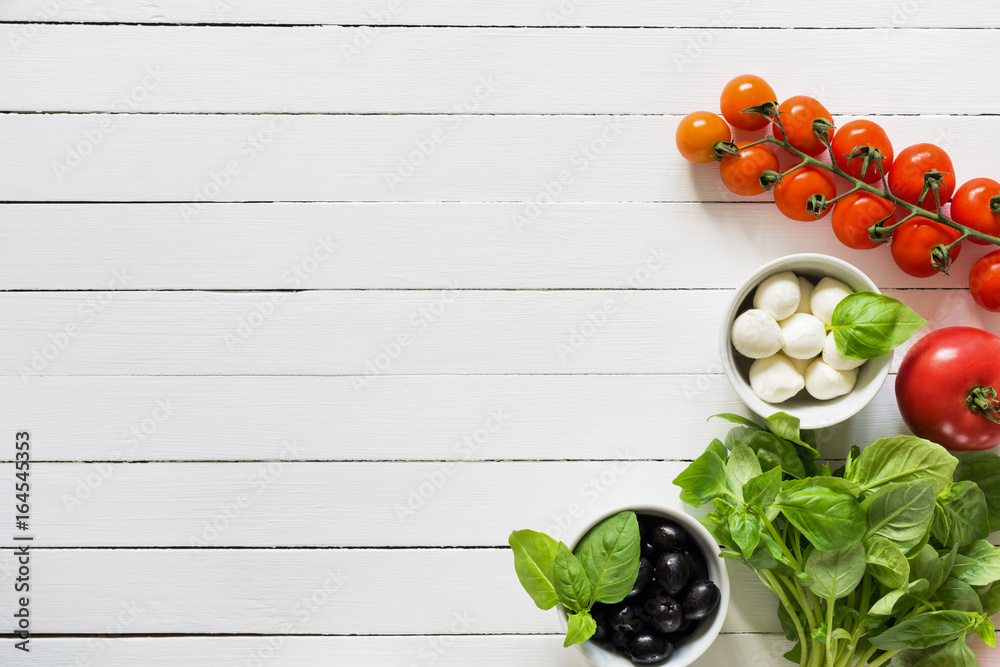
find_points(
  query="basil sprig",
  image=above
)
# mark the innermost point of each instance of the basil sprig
(866, 325)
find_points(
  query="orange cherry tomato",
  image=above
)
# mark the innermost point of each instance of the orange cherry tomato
(855, 214)
(913, 241)
(971, 207)
(861, 133)
(906, 178)
(797, 115)
(792, 193)
(742, 174)
(743, 92)
(697, 134)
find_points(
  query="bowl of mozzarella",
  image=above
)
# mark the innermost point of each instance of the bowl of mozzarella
(777, 348)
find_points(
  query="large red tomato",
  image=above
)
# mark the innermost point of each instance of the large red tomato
(940, 376)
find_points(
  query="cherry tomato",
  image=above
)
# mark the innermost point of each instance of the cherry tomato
(936, 376)
(742, 174)
(861, 133)
(971, 207)
(855, 214)
(742, 93)
(792, 193)
(913, 241)
(906, 178)
(697, 134)
(797, 116)
(984, 281)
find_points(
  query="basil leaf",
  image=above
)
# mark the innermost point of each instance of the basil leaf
(738, 419)
(904, 458)
(978, 564)
(886, 562)
(833, 483)
(987, 632)
(717, 525)
(983, 468)
(962, 516)
(959, 596)
(609, 553)
(580, 628)
(572, 584)
(866, 325)
(534, 558)
(741, 468)
(836, 573)
(787, 624)
(786, 426)
(885, 605)
(901, 513)
(703, 480)
(926, 630)
(953, 654)
(763, 489)
(829, 519)
(991, 600)
(745, 527)
(775, 452)
(927, 565)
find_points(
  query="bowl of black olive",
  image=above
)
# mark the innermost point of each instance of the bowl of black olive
(678, 603)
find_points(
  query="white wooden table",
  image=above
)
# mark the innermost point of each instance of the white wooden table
(308, 304)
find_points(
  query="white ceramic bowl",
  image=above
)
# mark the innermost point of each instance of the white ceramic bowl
(692, 647)
(811, 412)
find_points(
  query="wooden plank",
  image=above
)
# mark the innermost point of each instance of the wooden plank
(546, 417)
(308, 591)
(466, 70)
(366, 335)
(365, 246)
(527, 159)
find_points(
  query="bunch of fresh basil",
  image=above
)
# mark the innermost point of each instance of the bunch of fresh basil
(884, 559)
(602, 568)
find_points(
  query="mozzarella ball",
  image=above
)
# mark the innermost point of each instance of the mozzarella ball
(824, 382)
(803, 336)
(775, 379)
(778, 295)
(755, 334)
(834, 359)
(825, 297)
(801, 364)
(805, 294)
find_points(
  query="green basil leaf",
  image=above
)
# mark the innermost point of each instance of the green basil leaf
(927, 565)
(787, 624)
(786, 426)
(983, 468)
(885, 605)
(761, 491)
(737, 433)
(962, 516)
(953, 654)
(794, 654)
(901, 513)
(609, 553)
(745, 527)
(741, 468)
(978, 564)
(572, 584)
(926, 630)
(959, 596)
(866, 325)
(717, 525)
(703, 480)
(904, 458)
(738, 419)
(886, 562)
(987, 632)
(836, 573)
(990, 599)
(829, 519)
(833, 483)
(579, 628)
(534, 559)
(775, 452)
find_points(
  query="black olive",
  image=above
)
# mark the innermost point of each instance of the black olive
(688, 626)
(600, 615)
(667, 536)
(699, 568)
(646, 648)
(647, 548)
(645, 576)
(673, 571)
(620, 639)
(665, 614)
(627, 619)
(701, 599)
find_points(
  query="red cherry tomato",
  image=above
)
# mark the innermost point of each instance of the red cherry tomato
(861, 133)
(984, 281)
(936, 376)
(743, 92)
(792, 193)
(697, 134)
(971, 207)
(797, 116)
(913, 241)
(742, 174)
(855, 214)
(906, 178)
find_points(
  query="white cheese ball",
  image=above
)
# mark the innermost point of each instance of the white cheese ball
(805, 294)
(755, 334)
(825, 297)
(824, 382)
(801, 364)
(834, 359)
(778, 295)
(803, 335)
(775, 379)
